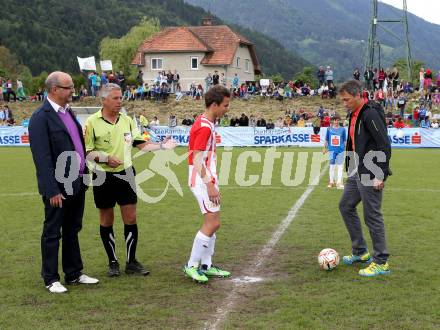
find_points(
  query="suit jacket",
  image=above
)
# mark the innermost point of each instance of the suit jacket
(49, 138)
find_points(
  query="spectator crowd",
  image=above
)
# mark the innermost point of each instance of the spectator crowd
(386, 87)
(295, 118)
(382, 85)
(6, 116)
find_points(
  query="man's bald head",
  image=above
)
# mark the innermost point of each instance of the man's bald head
(60, 87)
(57, 78)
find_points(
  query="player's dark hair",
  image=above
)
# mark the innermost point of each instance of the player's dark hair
(216, 95)
(352, 87)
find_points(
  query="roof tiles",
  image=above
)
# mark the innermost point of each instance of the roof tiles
(219, 43)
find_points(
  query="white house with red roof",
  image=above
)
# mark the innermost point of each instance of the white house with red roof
(195, 51)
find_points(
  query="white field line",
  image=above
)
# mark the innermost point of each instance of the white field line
(19, 194)
(421, 190)
(230, 301)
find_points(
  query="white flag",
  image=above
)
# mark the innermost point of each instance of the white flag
(106, 65)
(87, 63)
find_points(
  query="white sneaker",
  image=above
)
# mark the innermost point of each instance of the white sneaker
(340, 186)
(56, 287)
(84, 279)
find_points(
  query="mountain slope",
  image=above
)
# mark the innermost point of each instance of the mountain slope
(328, 31)
(47, 35)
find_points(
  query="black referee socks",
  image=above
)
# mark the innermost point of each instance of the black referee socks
(108, 239)
(131, 238)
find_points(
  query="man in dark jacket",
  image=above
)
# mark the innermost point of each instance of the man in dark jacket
(215, 78)
(244, 120)
(261, 122)
(356, 74)
(320, 74)
(270, 124)
(57, 146)
(367, 163)
(368, 76)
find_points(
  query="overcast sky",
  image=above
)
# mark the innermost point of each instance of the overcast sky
(429, 10)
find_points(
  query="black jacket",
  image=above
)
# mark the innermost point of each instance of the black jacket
(243, 121)
(49, 138)
(370, 134)
(261, 123)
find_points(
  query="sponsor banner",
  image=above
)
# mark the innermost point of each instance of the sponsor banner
(249, 136)
(256, 137)
(414, 137)
(296, 136)
(180, 133)
(14, 136)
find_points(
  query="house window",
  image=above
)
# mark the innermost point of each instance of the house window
(238, 62)
(194, 63)
(247, 65)
(156, 64)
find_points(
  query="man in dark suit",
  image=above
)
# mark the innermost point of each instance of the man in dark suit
(57, 146)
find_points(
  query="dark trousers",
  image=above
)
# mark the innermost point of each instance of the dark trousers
(355, 192)
(8, 96)
(65, 223)
(369, 84)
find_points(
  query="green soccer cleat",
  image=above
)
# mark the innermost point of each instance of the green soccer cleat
(375, 269)
(214, 271)
(195, 274)
(351, 259)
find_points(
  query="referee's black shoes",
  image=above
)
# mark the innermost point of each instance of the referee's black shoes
(113, 269)
(136, 268)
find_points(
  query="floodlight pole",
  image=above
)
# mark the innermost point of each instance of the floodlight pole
(373, 41)
(372, 37)
(408, 45)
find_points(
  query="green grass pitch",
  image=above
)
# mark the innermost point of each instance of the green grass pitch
(294, 293)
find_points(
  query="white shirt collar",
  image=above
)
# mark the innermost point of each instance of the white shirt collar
(57, 107)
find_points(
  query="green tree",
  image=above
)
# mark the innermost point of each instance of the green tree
(277, 78)
(121, 51)
(45, 41)
(25, 75)
(38, 82)
(400, 64)
(12, 69)
(307, 75)
(78, 80)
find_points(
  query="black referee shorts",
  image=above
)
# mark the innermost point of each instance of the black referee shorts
(115, 190)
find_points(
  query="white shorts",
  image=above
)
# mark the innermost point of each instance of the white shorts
(201, 193)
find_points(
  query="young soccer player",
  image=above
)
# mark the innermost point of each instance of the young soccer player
(335, 144)
(204, 185)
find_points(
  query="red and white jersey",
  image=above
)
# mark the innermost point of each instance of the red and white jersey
(202, 138)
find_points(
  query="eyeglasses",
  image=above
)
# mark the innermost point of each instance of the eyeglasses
(66, 87)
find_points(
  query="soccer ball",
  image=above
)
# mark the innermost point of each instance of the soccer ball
(328, 259)
(399, 133)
